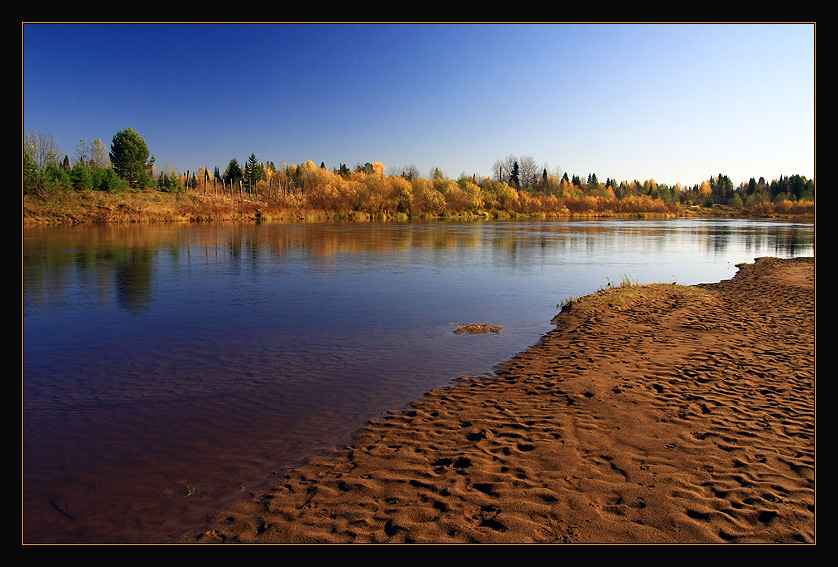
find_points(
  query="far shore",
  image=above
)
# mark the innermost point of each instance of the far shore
(655, 413)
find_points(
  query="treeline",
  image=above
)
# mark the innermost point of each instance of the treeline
(517, 186)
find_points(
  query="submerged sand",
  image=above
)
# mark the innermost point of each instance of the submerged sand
(650, 414)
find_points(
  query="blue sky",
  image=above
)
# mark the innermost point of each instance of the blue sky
(671, 102)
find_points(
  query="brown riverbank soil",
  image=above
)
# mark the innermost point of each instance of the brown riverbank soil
(650, 414)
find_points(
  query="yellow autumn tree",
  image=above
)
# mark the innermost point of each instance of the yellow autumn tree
(402, 191)
(427, 199)
(324, 190)
(704, 190)
(456, 199)
(505, 197)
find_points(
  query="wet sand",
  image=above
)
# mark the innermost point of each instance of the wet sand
(650, 414)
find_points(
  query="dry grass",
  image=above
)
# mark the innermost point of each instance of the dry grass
(152, 206)
(70, 207)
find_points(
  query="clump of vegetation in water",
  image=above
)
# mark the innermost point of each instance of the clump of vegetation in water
(476, 328)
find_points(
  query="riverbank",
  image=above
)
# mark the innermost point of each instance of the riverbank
(653, 414)
(97, 207)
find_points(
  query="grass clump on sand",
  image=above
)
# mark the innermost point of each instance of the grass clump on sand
(568, 303)
(627, 294)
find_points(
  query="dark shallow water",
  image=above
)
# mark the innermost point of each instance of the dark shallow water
(170, 369)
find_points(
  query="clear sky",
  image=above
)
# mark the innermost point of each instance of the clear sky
(670, 102)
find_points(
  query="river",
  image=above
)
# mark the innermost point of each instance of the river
(170, 369)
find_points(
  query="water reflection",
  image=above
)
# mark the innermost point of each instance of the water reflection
(163, 357)
(120, 261)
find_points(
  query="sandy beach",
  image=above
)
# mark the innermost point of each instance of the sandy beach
(650, 414)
